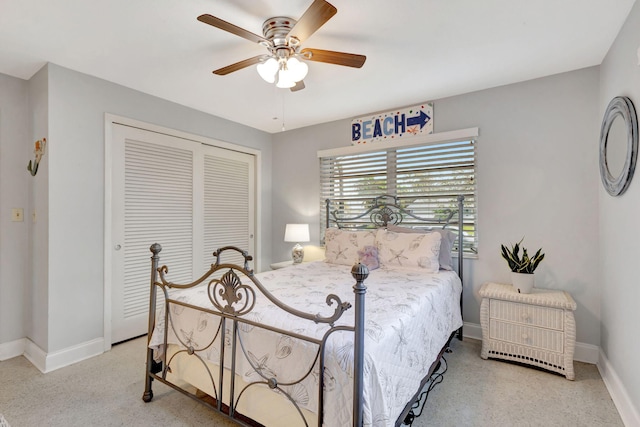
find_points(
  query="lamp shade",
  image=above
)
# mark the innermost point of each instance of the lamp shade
(268, 70)
(284, 79)
(297, 69)
(296, 233)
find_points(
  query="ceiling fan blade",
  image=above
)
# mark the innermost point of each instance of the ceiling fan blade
(233, 29)
(331, 57)
(238, 65)
(313, 18)
(298, 86)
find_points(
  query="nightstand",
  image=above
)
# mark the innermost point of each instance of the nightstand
(537, 329)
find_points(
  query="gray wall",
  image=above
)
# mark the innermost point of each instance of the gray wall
(38, 255)
(77, 104)
(14, 185)
(618, 240)
(537, 176)
(51, 273)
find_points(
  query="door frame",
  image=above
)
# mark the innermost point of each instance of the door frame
(109, 121)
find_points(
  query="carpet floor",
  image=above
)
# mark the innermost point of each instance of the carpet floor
(106, 391)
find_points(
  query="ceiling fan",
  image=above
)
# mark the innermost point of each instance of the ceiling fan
(285, 63)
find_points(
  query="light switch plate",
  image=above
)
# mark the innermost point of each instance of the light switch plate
(17, 215)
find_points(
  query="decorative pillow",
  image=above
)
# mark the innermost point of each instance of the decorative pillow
(369, 257)
(409, 250)
(342, 246)
(446, 244)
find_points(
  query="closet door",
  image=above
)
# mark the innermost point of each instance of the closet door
(188, 197)
(229, 209)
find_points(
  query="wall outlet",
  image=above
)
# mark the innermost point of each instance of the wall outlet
(17, 215)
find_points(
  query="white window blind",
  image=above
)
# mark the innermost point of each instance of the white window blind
(427, 179)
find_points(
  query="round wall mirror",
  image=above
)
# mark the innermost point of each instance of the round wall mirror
(618, 145)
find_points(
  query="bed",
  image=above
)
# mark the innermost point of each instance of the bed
(296, 346)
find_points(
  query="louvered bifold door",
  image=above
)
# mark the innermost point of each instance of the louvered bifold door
(153, 203)
(228, 203)
(189, 197)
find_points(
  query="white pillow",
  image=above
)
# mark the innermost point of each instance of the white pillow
(342, 246)
(446, 244)
(409, 250)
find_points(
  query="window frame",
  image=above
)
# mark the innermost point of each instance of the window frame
(391, 164)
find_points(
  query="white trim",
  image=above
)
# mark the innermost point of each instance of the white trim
(35, 355)
(65, 357)
(454, 135)
(74, 354)
(108, 244)
(472, 330)
(9, 350)
(587, 353)
(628, 412)
(109, 121)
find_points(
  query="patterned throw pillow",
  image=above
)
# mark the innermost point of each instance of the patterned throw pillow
(342, 246)
(369, 257)
(409, 250)
(446, 244)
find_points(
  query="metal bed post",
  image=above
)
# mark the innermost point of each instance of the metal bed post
(155, 258)
(359, 272)
(460, 250)
(327, 204)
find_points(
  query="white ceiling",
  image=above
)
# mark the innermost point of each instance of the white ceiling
(417, 50)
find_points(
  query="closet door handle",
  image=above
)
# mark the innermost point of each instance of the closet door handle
(117, 247)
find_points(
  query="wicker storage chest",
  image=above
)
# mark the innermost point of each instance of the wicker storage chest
(537, 329)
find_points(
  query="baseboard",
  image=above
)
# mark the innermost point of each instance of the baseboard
(35, 355)
(47, 362)
(628, 412)
(12, 349)
(587, 353)
(472, 330)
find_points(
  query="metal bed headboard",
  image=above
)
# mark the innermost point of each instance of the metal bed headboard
(387, 209)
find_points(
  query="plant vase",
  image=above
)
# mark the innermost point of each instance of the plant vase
(522, 282)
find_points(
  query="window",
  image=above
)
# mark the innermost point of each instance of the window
(437, 172)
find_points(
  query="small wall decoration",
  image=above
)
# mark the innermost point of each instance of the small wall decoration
(39, 152)
(618, 145)
(390, 126)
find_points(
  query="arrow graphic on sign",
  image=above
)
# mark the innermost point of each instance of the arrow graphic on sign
(421, 119)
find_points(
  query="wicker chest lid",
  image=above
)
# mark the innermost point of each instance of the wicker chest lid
(543, 297)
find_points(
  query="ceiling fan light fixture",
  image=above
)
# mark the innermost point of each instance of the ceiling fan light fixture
(285, 80)
(283, 37)
(268, 70)
(298, 69)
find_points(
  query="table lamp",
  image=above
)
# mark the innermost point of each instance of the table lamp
(297, 233)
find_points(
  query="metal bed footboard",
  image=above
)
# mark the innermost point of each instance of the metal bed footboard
(232, 297)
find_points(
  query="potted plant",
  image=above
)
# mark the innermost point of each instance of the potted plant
(522, 268)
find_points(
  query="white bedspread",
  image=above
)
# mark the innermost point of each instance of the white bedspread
(409, 316)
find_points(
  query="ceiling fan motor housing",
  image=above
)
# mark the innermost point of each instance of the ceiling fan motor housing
(276, 30)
